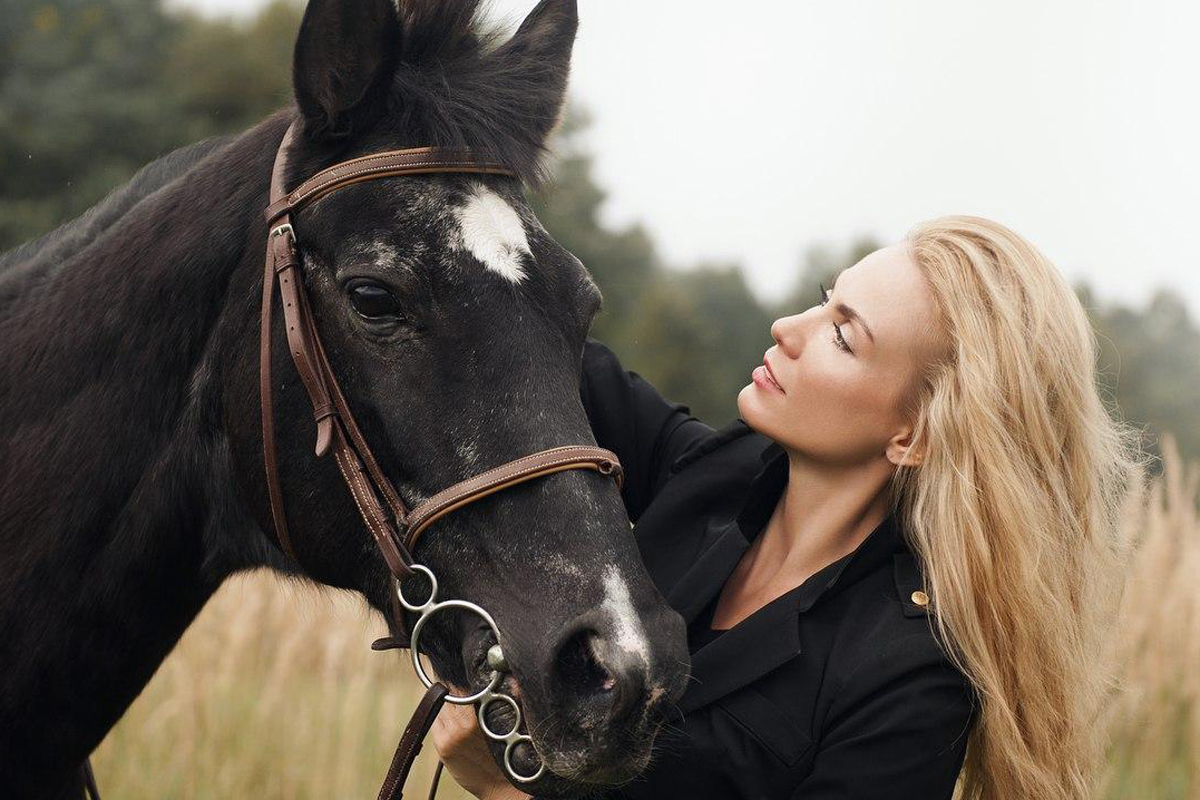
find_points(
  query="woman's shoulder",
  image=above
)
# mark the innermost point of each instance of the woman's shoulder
(895, 638)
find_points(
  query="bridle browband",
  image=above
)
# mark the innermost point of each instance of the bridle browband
(393, 525)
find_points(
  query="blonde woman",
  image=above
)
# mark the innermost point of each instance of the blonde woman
(888, 562)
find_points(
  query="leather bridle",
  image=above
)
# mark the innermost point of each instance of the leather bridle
(393, 525)
(336, 427)
(397, 528)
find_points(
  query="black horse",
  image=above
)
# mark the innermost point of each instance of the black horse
(132, 480)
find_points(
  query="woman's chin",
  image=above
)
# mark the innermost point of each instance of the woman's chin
(750, 406)
(761, 417)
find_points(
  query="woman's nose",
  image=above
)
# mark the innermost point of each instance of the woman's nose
(786, 331)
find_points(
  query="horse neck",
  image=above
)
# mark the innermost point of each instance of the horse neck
(118, 508)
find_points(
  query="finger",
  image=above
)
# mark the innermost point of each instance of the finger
(444, 727)
(462, 718)
(437, 732)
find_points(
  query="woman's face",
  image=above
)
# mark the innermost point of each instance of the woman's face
(840, 400)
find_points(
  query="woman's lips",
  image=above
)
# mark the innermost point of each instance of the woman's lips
(765, 379)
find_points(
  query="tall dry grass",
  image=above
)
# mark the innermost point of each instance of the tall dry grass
(275, 693)
(1154, 714)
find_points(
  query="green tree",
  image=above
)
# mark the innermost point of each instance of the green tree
(80, 108)
(225, 75)
(91, 90)
(1150, 367)
(624, 261)
(695, 334)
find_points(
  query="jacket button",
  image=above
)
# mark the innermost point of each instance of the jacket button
(920, 598)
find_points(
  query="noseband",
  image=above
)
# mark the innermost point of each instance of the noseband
(397, 528)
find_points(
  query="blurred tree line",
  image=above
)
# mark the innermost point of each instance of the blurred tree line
(90, 90)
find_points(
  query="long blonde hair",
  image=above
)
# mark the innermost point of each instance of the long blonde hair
(1013, 510)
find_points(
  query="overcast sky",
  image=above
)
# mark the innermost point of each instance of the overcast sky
(749, 130)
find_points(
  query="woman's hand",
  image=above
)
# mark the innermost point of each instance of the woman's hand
(464, 751)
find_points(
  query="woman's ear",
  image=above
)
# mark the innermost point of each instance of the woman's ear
(900, 450)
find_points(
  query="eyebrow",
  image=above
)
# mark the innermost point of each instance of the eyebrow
(849, 313)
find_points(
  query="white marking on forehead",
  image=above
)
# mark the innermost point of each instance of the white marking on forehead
(628, 628)
(491, 230)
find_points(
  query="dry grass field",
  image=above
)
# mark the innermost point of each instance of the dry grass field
(275, 693)
(1153, 717)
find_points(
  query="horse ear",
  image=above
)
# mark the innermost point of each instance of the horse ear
(542, 47)
(345, 57)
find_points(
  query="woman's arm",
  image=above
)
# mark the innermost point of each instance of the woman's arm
(900, 732)
(630, 417)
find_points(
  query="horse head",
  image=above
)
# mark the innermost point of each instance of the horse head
(455, 325)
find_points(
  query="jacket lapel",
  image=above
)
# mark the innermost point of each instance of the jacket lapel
(723, 547)
(749, 650)
(770, 637)
(760, 643)
(725, 539)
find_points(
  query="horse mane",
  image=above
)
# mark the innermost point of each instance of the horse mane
(460, 83)
(65, 241)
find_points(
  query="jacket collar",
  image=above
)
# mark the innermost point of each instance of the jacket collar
(771, 636)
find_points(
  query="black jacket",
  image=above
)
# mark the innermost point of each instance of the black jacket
(838, 688)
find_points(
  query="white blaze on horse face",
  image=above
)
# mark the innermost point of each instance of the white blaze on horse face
(629, 635)
(491, 230)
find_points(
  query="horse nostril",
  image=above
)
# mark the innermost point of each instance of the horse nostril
(594, 675)
(579, 669)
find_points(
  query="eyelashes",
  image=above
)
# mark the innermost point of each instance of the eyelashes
(838, 340)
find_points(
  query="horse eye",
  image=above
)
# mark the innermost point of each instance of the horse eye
(372, 300)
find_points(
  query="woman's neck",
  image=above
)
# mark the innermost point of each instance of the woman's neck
(823, 514)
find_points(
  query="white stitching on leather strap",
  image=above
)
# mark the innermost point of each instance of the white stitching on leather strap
(357, 477)
(531, 457)
(416, 521)
(301, 194)
(338, 458)
(485, 479)
(488, 475)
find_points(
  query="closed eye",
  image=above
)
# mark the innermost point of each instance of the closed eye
(838, 339)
